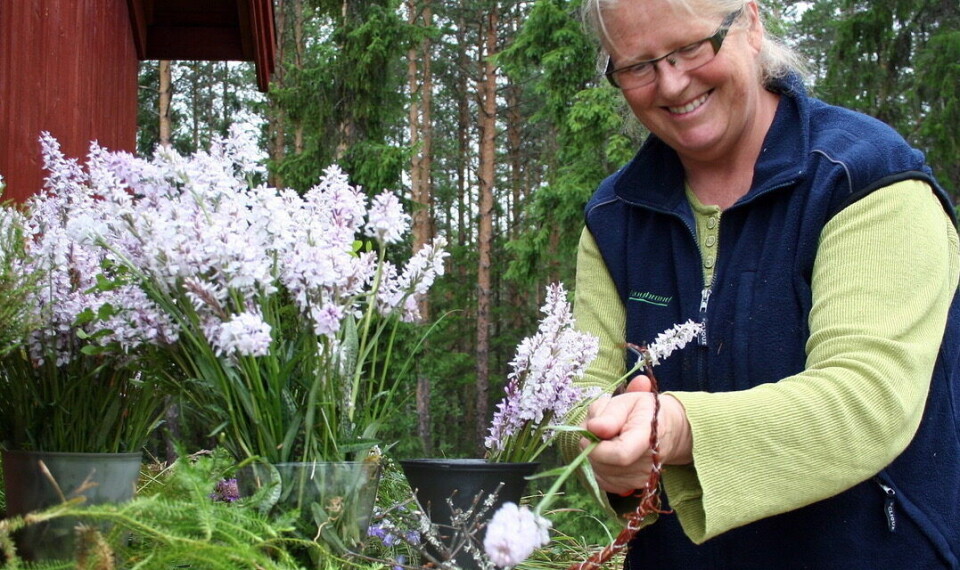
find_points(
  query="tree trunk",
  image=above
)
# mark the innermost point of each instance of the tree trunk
(514, 296)
(166, 96)
(173, 433)
(463, 206)
(488, 125)
(276, 118)
(420, 85)
(300, 47)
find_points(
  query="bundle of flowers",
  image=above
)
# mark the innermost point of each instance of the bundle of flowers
(274, 313)
(540, 389)
(72, 382)
(285, 307)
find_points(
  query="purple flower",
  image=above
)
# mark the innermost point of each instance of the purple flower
(376, 531)
(387, 221)
(540, 390)
(412, 537)
(225, 491)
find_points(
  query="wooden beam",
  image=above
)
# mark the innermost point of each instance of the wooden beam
(264, 34)
(237, 30)
(191, 43)
(138, 23)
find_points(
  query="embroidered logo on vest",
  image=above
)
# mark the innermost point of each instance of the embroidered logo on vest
(650, 298)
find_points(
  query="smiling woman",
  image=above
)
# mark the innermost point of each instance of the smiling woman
(767, 217)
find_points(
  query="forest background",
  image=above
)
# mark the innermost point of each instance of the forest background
(490, 118)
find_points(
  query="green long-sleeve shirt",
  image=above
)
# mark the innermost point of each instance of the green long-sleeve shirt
(886, 271)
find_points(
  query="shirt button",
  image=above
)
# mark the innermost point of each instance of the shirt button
(708, 263)
(712, 222)
(711, 241)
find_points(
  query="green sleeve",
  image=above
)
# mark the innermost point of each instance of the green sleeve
(597, 310)
(885, 274)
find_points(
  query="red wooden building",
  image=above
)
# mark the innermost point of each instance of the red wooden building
(70, 67)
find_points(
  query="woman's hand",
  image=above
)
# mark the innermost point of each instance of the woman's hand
(622, 461)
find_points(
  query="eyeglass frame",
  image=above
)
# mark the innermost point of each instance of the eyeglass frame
(716, 41)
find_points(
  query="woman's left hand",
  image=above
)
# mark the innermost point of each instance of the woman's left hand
(623, 460)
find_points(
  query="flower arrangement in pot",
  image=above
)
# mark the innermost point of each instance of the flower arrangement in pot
(74, 398)
(462, 494)
(287, 310)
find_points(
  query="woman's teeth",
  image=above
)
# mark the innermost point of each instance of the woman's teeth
(689, 106)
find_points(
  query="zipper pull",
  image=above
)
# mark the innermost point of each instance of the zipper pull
(704, 301)
(888, 506)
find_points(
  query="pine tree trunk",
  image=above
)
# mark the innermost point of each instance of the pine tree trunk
(276, 118)
(420, 85)
(166, 96)
(488, 125)
(300, 47)
(463, 207)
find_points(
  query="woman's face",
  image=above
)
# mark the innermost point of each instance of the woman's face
(703, 113)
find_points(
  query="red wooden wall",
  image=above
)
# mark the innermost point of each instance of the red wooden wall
(68, 67)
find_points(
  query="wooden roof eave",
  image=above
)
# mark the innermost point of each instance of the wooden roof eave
(228, 30)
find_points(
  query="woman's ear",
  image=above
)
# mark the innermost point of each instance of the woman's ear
(755, 29)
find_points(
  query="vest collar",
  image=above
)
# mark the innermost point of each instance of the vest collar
(780, 164)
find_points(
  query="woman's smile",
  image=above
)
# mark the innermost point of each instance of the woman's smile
(691, 106)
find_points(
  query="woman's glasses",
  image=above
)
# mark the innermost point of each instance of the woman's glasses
(686, 58)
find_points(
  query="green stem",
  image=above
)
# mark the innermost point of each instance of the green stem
(571, 468)
(368, 317)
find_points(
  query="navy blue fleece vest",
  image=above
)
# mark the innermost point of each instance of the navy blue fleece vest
(816, 160)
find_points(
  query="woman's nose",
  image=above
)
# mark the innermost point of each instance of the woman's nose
(670, 80)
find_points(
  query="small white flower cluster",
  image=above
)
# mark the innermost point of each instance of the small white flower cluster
(402, 291)
(541, 383)
(672, 339)
(194, 224)
(61, 225)
(513, 534)
(245, 333)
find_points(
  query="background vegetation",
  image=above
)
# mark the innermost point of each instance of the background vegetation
(490, 118)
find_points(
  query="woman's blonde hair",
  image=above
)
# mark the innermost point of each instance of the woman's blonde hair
(777, 60)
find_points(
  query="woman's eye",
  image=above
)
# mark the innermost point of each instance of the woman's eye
(691, 49)
(639, 69)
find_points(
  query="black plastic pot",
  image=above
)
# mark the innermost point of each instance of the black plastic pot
(465, 484)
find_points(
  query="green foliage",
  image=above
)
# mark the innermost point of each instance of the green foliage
(555, 60)
(345, 96)
(553, 52)
(14, 285)
(938, 69)
(894, 60)
(40, 411)
(378, 165)
(177, 526)
(174, 523)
